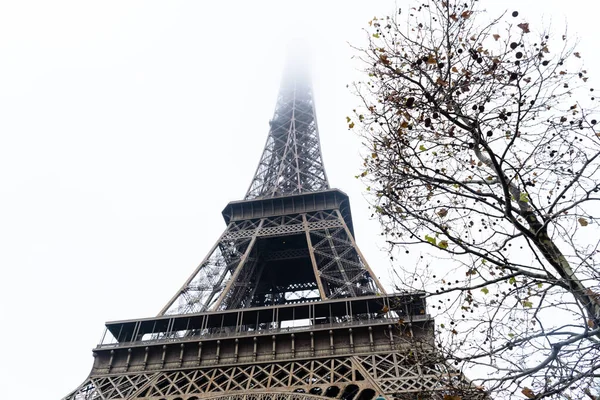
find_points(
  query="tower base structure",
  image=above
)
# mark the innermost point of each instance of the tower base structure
(349, 349)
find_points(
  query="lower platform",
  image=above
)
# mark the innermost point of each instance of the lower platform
(346, 349)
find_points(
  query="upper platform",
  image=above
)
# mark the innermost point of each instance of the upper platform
(332, 199)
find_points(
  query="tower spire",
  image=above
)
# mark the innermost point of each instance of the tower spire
(291, 162)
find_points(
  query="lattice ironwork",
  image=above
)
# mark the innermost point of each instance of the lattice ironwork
(202, 288)
(111, 387)
(291, 162)
(234, 275)
(393, 374)
(338, 260)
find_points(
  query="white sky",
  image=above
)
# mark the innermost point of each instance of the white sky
(127, 126)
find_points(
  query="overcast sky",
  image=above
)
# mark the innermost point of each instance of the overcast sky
(127, 126)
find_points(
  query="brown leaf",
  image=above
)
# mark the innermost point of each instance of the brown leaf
(384, 59)
(454, 69)
(452, 397)
(583, 222)
(431, 60)
(576, 54)
(496, 37)
(591, 323)
(442, 213)
(524, 26)
(466, 14)
(441, 82)
(528, 393)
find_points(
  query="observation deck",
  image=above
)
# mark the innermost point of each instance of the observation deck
(261, 334)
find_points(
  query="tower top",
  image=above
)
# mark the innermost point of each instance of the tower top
(291, 162)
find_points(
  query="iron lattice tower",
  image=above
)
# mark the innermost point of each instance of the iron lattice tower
(284, 306)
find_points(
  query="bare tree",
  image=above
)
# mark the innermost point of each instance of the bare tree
(482, 144)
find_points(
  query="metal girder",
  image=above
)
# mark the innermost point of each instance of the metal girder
(201, 289)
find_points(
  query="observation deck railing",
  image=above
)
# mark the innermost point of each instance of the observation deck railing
(228, 332)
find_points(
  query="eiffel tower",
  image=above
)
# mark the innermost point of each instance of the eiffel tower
(284, 306)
